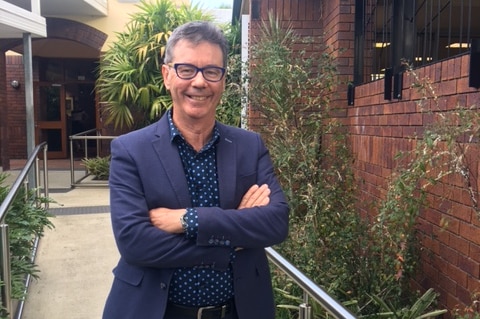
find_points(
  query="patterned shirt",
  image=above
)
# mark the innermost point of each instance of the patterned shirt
(199, 286)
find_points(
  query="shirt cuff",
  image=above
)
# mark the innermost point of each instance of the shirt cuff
(192, 223)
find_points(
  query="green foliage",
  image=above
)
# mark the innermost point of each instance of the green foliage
(469, 312)
(292, 90)
(419, 310)
(27, 219)
(229, 110)
(367, 264)
(98, 167)
(129, 75)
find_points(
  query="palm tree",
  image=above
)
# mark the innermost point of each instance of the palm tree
(129, 77)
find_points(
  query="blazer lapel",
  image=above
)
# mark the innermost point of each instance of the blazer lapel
(226, 168)
(170, 159)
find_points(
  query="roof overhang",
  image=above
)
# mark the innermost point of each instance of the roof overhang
(60, 8)
(15, 21)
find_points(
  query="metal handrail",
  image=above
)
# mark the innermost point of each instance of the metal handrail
(83, 136)
(311, 289)
(5, 258)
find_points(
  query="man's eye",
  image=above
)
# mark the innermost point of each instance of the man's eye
(186, 71)
(211, 72)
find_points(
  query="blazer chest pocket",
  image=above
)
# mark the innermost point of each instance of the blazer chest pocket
(246, 181)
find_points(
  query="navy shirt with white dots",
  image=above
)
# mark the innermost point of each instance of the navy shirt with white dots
(199, 286)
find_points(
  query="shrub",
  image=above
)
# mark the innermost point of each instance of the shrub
(27, 219)
(98, 167)
(367, 264)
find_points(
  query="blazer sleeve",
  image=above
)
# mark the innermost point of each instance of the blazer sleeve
(256, 227)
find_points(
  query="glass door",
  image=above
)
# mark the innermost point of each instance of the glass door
(50, 121)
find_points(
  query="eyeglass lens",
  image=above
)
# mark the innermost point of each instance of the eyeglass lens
(189, 71)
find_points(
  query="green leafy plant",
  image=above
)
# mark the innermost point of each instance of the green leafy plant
(229, 110)
(471, 311)
(98, 167)
(329, 240)
(420, 309)
(291, 92)
(27, 219)
(129, 75)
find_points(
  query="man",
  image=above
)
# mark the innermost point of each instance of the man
(193, 202)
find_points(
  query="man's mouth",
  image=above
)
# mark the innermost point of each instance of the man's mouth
(197, 98)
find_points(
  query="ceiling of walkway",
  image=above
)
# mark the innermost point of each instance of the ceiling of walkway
(58, 48)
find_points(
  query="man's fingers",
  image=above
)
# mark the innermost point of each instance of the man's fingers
(246, 197)
(256, 196)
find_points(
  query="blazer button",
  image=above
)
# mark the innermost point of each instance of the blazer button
(163, 285)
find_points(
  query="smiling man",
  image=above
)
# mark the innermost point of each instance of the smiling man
(193, 202)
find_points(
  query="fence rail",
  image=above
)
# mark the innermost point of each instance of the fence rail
(5, 258)
(83, 138)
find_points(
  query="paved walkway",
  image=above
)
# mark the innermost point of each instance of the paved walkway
(75, 258)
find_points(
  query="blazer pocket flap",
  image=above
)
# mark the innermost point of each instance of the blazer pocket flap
(129, 274)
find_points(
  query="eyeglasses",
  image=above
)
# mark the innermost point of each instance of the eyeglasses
(187, 71)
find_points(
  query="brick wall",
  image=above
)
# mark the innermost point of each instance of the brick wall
(16, 108)
(380, 129)
(305, 18)
(450, 227)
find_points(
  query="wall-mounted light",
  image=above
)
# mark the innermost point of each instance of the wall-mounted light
(15, 84)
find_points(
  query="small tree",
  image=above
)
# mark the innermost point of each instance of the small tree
(129, 76)
(367, 263)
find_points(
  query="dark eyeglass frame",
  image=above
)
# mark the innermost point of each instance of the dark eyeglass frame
(197, 69)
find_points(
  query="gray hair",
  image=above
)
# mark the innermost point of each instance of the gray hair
(196, 32)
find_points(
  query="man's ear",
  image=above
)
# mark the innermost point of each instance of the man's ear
(166, 76)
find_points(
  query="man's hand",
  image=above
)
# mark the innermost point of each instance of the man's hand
(167, 219)
(256, 196)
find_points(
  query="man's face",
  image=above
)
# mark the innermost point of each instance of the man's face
(196, 98)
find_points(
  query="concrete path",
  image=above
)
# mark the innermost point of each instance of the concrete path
(75, 258)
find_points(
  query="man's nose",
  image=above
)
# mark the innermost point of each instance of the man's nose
(199, 80)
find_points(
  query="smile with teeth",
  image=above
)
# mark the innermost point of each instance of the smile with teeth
(197, 98)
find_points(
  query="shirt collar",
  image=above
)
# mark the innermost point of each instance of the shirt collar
(175, 133)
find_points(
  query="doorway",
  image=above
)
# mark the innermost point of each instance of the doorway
(65, 103)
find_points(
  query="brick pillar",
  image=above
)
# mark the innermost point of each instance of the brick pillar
(4, 159)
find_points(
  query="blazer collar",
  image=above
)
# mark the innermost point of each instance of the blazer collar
(167, 153)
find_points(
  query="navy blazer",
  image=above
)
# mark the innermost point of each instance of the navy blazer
(146, 172)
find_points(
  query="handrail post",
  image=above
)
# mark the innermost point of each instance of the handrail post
(37, 178)
(305, 310)
(85, 146)
(45, 175)
(6, 288)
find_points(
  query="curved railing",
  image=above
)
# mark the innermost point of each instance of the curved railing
(311, 289)
(33, 176)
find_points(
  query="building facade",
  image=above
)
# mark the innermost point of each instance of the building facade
(369, 40)
(49, 53)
